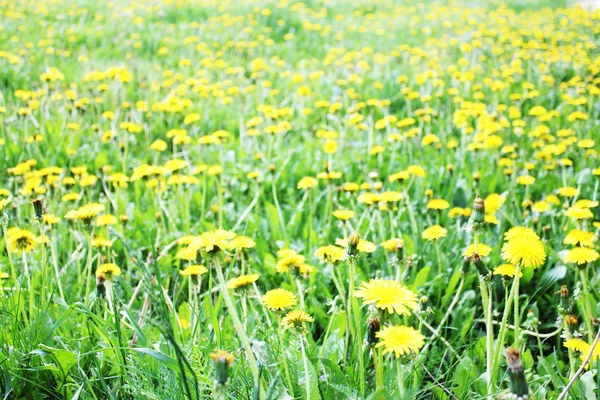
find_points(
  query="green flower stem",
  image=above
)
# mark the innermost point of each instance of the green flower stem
(87, 270)
(516, 303)
(378, 359)
(300, 292)
(486, 298)
(239, 329)
(503, 327)
(306, 373)
(587, 310)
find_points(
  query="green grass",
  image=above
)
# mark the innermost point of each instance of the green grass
(464, 72)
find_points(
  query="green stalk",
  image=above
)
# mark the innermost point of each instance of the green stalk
(502, 332)
(516, 303)
(586, 305)
(305, 361)
(236, 322)
(486, 298)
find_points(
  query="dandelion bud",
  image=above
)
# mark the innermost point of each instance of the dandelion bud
(38, 208)
(372, 329)
(480, 265)
(476, 176)
(478, 214)
(214, 207)
(516, 374)
(571, 321)
(271, 168)
(373, 175)
(124, 219)
(450, 168)
(466, 265)
(565, 304)
(221, 360)
(353, 241)
(157, 215)
(100, 288)
(400, 251)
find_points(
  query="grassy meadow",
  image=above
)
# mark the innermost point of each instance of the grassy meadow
(299, 200)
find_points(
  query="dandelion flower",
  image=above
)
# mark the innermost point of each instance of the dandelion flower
(437, 204)
(3, 204)
(242, 281)
(86, 213)
(20, 240)
(194, 270)
(483, 250)
(584, 348)
(330, 253)
(106, 220)
(579, 213)
(524, 248)
(344, 215)
(296, 319)
(400, 340)
(108, 271)
(508, 270)
(580, 255)
(434, 232)
(388, 295)
(392, 244)
(278, 299)
(308, 182)
(583, 238)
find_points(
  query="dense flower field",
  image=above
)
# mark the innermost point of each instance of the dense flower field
(299, 200)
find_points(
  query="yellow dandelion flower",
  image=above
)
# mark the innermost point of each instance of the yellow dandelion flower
(194, 270)
(437, 204)
(108, 271)
(296, 319)
(580, 255)
(20, 240)
(508, 270)
(330, 253)
(525, 249)
(583, 238)
(400, 340)
(579, 213)
(308, 182)
(392, 244)
(434, 232)
(242, 281)
(106, 220)
(482, 249)
(388, 295)
(279, 299)
(584, 348)
(344, 215)
(85, 213)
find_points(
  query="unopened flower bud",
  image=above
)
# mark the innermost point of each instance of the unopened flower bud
(480, 264)
(353, 242)
(564, 305)
(478, 214)
(516, 374)
(372, 329)
(38, 208)
(221, 360)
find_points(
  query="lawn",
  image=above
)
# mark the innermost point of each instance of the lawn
(299, 200)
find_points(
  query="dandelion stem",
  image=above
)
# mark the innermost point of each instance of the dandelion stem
(236, 322)
(306, 373)
(516, 303)
(586, 304)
